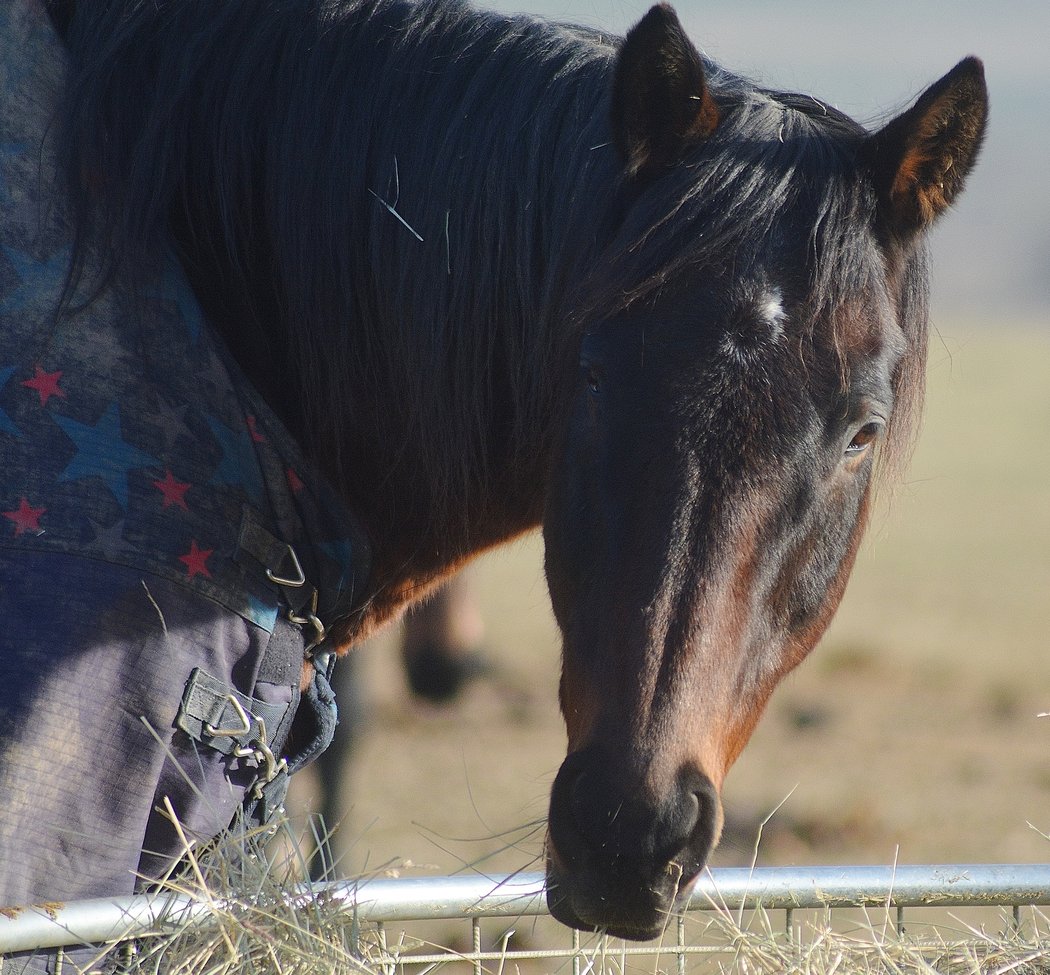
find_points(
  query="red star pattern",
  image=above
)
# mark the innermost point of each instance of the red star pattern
(25, 517)
(174, 492)
(294, 481)
(46, 384)
(196, 559)
(253, 431)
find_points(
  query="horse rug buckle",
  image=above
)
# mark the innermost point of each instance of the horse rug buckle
(230, 723)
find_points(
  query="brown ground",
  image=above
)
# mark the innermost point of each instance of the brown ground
(910, 734)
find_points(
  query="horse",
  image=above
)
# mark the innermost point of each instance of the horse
(494, 273)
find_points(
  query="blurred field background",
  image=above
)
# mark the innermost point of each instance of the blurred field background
(911, 732)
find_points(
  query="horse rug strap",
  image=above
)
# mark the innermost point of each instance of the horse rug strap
(251, 729)
(234, 724)
(163, 545)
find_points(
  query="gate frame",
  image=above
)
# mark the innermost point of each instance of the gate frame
(381, 900)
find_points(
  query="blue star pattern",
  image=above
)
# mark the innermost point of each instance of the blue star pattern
(239, 466)
(110, 539)
(101, 452)
(136, 527)
(145, 447)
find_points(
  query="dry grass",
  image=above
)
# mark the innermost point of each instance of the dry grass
(257, 920)
(821, 948)
(261, 920)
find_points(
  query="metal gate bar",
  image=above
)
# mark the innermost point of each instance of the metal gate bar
(948, 885)
(430, 898)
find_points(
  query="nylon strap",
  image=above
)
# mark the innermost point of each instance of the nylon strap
(207, 708)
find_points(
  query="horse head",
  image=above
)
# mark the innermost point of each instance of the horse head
(764, 348)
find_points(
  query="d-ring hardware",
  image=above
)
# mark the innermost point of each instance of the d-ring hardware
(259, 750)
(246, 722)
(300, 576)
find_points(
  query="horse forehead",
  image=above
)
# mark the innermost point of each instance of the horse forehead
(868, 334)
(858, 331)
(756, 322)
(769, 307)
(775, 374)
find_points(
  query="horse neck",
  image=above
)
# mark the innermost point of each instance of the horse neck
(384, 208)
(470, 231)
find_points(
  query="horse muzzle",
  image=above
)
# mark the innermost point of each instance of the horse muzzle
(621, 858)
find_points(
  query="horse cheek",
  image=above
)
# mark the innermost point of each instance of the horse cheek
(579, 706)
(799, 641)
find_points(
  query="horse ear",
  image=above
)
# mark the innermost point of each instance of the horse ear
(920, 160)
(660, 100)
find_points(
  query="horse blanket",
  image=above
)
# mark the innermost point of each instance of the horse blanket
(158, 526)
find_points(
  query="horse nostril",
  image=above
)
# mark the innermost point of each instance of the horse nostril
(686, 824)
(618, 828)
(706, 820)
(675, 824)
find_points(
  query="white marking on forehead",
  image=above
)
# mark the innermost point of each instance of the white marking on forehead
(771, 308)
(757, 328)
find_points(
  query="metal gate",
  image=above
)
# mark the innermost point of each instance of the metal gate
(376, 908)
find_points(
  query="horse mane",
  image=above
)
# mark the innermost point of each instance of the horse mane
(318, 165)
(431, 206)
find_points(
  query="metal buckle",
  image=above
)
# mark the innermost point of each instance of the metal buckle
(300, 576)
(310, 619)
(258, 748)
(246, 722)
(269, 765)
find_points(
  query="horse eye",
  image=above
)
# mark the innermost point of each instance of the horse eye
(863, 439)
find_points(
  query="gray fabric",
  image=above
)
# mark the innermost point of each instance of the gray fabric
(132, 455)
(92, 682)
